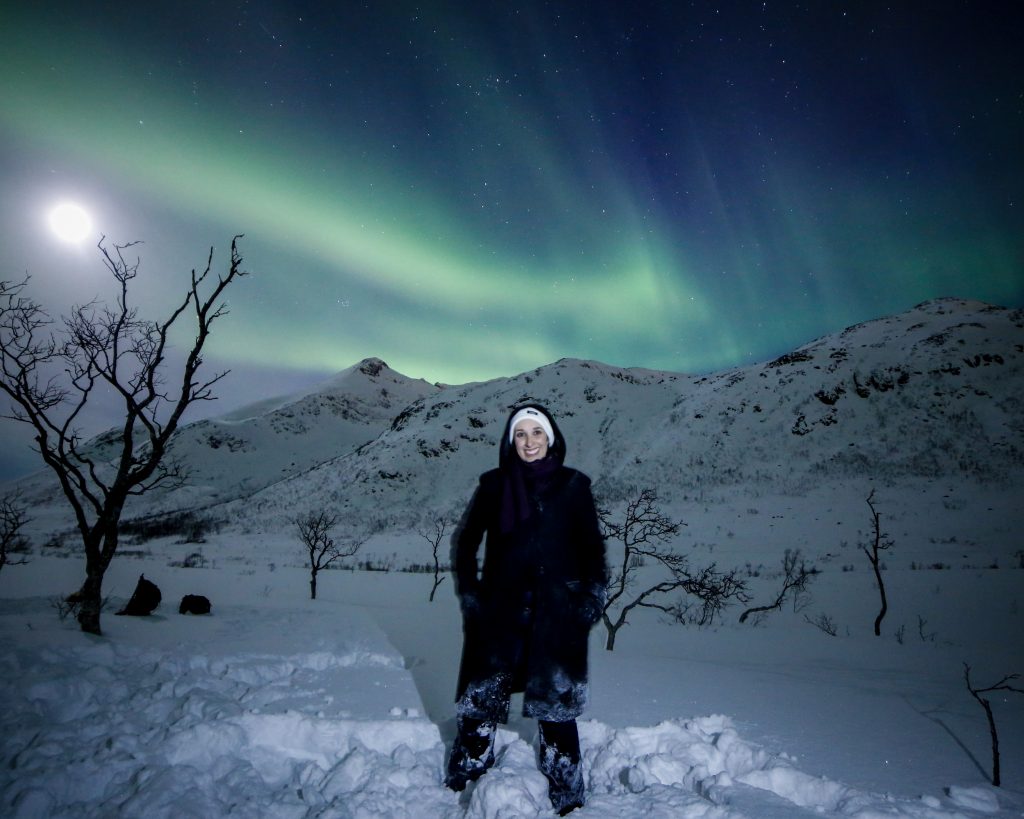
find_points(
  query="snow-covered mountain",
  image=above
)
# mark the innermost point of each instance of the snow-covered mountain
(243, 451)
(931, 392)
(240, 453)
(934, 391)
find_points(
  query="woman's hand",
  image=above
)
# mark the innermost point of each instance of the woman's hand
(590, 609)
(588, 600)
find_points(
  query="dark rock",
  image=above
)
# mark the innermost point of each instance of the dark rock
(194, 604)
(144, 600)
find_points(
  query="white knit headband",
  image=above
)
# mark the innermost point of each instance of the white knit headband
(533, 415)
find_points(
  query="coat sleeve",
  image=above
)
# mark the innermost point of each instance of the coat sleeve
(466, 541)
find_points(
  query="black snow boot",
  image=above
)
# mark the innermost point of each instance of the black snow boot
(472, 752)
(560, 763)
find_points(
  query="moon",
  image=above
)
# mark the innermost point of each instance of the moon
(70, 223)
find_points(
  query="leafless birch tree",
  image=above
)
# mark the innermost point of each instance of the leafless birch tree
(315, 533)
(433, 530)
(51, 369)
(879, 543)
(640, 535)
(1002, 685)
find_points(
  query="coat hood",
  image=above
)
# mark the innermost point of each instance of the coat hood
(507, 450)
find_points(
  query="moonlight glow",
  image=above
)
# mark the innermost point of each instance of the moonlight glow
(70, 222)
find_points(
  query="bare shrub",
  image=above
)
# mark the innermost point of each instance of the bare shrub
(823, 623)
(432, 530)
(13, 544)
(795, 578)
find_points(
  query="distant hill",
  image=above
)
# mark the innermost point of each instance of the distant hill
(935, 391)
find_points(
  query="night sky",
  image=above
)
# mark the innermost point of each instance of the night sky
(470, 190)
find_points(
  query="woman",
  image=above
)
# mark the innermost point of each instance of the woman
(527, 615)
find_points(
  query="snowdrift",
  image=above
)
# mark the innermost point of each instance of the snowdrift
(297, 709)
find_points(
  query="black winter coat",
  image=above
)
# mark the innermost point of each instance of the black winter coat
(529, 631)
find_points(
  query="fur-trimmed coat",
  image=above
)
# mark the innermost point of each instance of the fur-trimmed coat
(531, 607)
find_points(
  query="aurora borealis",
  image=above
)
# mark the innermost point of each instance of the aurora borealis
(470, 190)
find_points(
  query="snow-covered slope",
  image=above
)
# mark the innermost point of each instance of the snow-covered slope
(932, 392)
(250, 448)
(431, 455)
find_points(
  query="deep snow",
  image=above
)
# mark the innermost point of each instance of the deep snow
(276, 705)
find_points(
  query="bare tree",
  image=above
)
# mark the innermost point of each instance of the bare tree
(1002, 685)
(432, 530)
(879, 543)
(641, 533)
(50, 372)
(795, 578)
(713, 589)
(824, 623)
(315, 534)
(12, 542)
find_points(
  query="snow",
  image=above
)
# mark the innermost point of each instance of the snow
(276, 705)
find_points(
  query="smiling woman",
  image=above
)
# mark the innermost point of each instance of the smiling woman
(70, 222)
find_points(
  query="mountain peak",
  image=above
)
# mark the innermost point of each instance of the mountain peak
(372, 366)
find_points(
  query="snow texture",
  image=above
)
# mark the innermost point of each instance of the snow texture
(297, 709)
(275, 705)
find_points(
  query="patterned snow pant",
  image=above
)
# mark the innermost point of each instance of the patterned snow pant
(473, 753)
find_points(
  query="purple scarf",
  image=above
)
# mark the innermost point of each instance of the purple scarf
(520, 481)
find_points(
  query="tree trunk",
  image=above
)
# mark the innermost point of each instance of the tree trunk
(99, 551)
(885, 603)
(437, 582)
(312, 585)
(609, 643)
(996, 777)
(90, 600)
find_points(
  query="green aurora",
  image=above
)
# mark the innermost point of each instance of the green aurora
(488, 216)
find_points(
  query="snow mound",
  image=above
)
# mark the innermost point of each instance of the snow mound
(310, 712)
(703, 768)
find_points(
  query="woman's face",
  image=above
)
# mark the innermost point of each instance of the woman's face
(531, 440)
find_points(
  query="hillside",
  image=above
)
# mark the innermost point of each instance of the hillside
(243, 451)
(932, 392)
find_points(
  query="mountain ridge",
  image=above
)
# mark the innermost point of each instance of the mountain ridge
(931, 391)
(847, 403)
